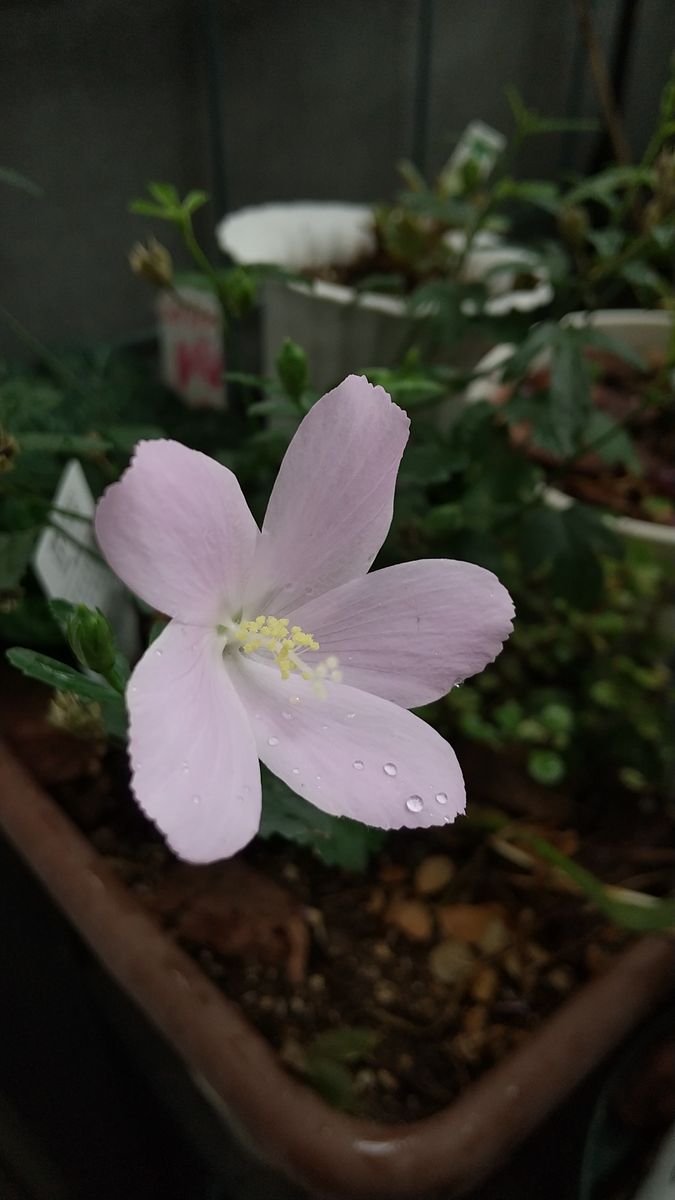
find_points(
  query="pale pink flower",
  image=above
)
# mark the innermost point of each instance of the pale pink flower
(213, 695)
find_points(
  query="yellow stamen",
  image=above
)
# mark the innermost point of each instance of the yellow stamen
(272, 635)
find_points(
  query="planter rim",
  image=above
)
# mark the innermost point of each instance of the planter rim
(608, 318)
(337, 232)
(291, 1128)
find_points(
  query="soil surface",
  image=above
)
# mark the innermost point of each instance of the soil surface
(388, 992)
(644, 405)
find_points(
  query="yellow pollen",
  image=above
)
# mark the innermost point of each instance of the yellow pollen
(285, 646)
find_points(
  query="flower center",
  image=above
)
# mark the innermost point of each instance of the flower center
(272, 636)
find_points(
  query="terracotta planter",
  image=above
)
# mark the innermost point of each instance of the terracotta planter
(341, 330)
(333, 1155)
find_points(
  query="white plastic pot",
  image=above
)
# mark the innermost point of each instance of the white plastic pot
(645, 332)
(340, 329)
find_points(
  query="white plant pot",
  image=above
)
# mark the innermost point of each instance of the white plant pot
(340, 329)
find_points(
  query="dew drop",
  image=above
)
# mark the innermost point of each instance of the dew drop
(133, 689)
(324, 728)
(390, 769)
(317, 777)
(441, 797)
(158, 653)
(414, 804)
(295, 699)
(357, 764)
(196, 799)
(272, 741)
(287, 716)
(295, 771)
(350, 716)
(184, 767)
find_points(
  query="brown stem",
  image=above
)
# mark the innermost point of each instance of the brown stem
(602, 84)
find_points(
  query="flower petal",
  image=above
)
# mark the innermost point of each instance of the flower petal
(196, 772)
(177, 530)
(332, 502)
(351, 754)
(411, 632)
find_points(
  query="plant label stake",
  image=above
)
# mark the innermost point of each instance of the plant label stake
(192, 352)
(69, 567)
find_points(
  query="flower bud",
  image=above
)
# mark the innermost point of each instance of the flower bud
(237, 290)
(91, 639)
(152, 263)
(79, 718)
(9, 448)
(292, 369)
(573, 224)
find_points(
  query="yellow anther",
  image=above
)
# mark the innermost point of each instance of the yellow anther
(286, 646)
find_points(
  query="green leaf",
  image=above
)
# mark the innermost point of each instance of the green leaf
(195, 200)
(64, 679)
(609, 440)
(145, 208)
(337, 840)
(334, 1082)
(545, 766)
(165, 194)
(570, 389)
(542, 193)
(346, 1045)
(603, 186)
(640, 275)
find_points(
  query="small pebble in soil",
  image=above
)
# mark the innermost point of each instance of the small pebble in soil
(561, 978)
(484, 984)
(387, 1080)
(384, 993)
(316, 983)
(411, 917)
(451, 962)
(382, 951)
(433, 874)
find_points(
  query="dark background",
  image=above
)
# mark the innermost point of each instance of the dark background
(259, 100)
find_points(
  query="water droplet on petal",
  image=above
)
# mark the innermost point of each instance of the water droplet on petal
(441, 797)
(357, 764)
(317, 777)
(158, 653)
(390, 769)
(196, 799)
(350, 716)
(272, 741)
(295, 699)
(414, 804)
(324, 728)
(185, 767)
(295, 771)
(133, 689)
(287, 716)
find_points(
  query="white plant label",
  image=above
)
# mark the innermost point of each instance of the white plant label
(68, 565)
(192, 352)
(480, 144)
